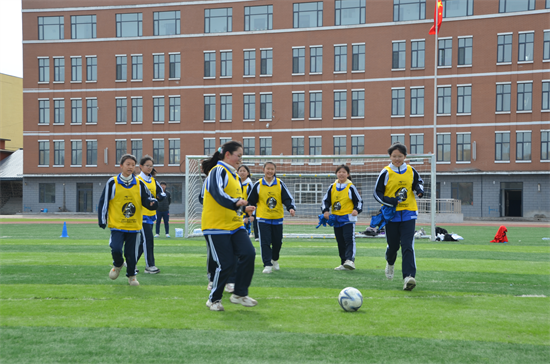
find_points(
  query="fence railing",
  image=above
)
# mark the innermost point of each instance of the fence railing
(442, 206)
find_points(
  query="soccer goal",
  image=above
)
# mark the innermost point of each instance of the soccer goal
(308, 178)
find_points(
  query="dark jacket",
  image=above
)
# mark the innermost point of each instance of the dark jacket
(165, 203)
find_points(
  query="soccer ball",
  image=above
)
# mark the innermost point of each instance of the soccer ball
(350, 299)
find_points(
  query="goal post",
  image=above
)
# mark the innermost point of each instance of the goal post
(308, 178)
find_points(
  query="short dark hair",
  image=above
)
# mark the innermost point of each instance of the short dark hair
(400, 147)
(163, 183)
(145, 159)
(127, 156)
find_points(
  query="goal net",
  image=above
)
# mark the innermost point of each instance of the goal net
(308, 178)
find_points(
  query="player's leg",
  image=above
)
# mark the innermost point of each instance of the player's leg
(407, 248)
(265, 243)
(340, 241)
(131, 241)
(166, 217)
(348, 232)
(149, 247)
(276, 241)
(157, 227)
(244, 250)
(221, 250)
(116, 242)
(393, 239)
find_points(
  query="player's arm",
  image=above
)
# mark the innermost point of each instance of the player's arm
(147, 200)
(103, 205)
(380, 188)
(215, 184)
(356, 199)
(287, 198)
(418, 184)
(161, 195)
(253, 194)
(327, 200)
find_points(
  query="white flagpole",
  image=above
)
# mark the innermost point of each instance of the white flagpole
(434, 160)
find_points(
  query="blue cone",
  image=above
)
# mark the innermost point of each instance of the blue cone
(64, 233)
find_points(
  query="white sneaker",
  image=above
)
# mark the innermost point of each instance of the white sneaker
(157, 236)
(152, 270)
(275, 264)
(340, 267)
(132, 281)
(409, 283)
(349, 265)
(243, 300)
(209, 287)
(267, 269)
(167, 235)
(115, 271)
(230, 287)
(215, 306)
(389, 271)
(256, 239)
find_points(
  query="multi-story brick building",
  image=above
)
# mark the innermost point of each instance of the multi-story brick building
(171, 78)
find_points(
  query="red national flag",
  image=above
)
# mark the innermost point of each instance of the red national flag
(438, 17)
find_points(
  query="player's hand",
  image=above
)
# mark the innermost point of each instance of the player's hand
(103, 226)
(251, 218)
(292, 212)
(420, 195)
(326, 215)
(242, 203)
(245, 220)
(152, 203)
(354, 213)
(249, 209)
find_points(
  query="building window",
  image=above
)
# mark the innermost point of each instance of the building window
(298, 148)
(443, 147)
(358, 103)
(91, 153)
(315, 105)
(137, 149)
(83, 26)
(91, 68)
(340, 145)
(76, 111)
(121, 68)
(463, 147)
(463, 191)
(266, 106)
(174, 110)
(58, 153)
(129, 25)
(545, 96)
(209, 108)
(298, 105)
(121, 110)
(59, 69)
(546, 46)
(525, 96)
(166, 22)
(308, 15)
(258, 17)
(545, 145)
(226, 107)
(43, 70)
(525, 46)
(510, 6)
(51, 27)
(398, 55)
(398, 102)
(445, 58)
(455, 8)
(158, 66)
(504, 48)
(315, 147)
(315, 59)
(465, 51)
(417, 144)
(91, 111)
(417, 101)
(249, 146)
(404, 10)
(444, 100)
(59, 111)
(502, 146)
(358, 57)
(43, 111)
(309, 193)
(348, 12)
(340, 104)
(46, 193)
(298, 60)
(226, 66)
(76, 69)
(121, 149)
(357, 144)
(265, 146)
(266, 62)
(158, 151)
(249, 107)
(503, 97)
(137, 68)
(174, 151)
(418, 49)
(209, 64)
(398, 138)
(43, 153)
(209, 146)
(464, 100)
(174, 66)
(249, 63)
(523, 145)
(76, 153)
(137, 110)
(218, 20)
(340, 58)
(158, 109)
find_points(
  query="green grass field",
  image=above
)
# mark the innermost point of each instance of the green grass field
(475, 302)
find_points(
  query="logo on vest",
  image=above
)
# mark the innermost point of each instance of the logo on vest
(128, 210)
(271, 203)
(337, 206)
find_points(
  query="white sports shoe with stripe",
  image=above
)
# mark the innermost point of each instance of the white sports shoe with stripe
(243, 300)
(389, 271)
(215, 306)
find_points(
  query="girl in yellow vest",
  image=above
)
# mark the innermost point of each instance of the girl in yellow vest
(120, 209)
(223, 228)
(269, 194)
(346, 203)
(395, 187)
(147, 245)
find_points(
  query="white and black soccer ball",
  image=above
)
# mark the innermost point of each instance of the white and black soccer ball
(350, 299)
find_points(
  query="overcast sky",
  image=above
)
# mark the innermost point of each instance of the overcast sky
(11, 54)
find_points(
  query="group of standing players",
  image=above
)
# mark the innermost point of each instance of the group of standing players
(231, 201)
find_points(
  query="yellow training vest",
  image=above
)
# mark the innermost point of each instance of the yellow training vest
(125, 208)
(245, 193)
(152, 187)
(341, 203)
(214, 215)
(270, 204)
(397, 181)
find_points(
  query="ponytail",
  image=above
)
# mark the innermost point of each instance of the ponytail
(209, 163)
